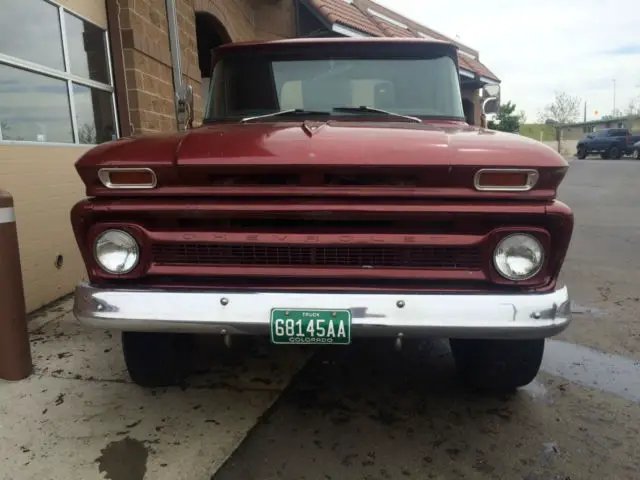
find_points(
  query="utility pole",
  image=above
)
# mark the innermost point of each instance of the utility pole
(614, 97)
(585, 111)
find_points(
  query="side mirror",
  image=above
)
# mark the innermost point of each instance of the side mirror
(491, 102)
(184, 101)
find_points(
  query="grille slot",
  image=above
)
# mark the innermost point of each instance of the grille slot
(374, 256)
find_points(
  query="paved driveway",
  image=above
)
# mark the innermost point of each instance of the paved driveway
(353, 413)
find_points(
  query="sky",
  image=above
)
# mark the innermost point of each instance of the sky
(537, 48)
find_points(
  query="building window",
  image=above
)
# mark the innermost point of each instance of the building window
(56, 83)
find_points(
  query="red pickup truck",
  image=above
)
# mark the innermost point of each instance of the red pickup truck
(334, 192)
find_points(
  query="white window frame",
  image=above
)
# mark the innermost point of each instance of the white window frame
(68, 77)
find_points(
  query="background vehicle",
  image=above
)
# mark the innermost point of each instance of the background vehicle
(609, 143)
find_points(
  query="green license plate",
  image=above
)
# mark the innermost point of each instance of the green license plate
(329, 327)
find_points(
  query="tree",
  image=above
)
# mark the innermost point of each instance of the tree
(634, 107)
(4, 132)
(613, 115)
(4, 128)
(87, 134)
(522, 116)
(506, 120)
(563, 109)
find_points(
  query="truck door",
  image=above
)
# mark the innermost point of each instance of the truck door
(599, 141)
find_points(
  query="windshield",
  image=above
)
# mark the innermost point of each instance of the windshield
(427, 87)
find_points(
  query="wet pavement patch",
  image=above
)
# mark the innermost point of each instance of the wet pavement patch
(593, 369)
(368, 412)
(124, 459)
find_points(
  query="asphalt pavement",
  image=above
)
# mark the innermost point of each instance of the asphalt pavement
(362, 414)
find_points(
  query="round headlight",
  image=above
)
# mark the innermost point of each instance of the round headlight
(117, 252)
(518, 257)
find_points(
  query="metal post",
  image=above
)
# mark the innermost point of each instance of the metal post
(15, 351)
(176, 58)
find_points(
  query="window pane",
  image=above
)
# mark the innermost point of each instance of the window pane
(94, 113)
(30, 30)
(33, 107)
(87, 49)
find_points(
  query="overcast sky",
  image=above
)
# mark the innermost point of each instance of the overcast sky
(579, 46)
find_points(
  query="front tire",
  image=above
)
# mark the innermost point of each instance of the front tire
(636, 154)
(157, 359)
(497, 365)
(582, 153)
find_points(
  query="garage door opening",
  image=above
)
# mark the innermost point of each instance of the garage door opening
(210, 34)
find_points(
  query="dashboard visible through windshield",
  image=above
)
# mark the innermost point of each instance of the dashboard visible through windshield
(426, 87)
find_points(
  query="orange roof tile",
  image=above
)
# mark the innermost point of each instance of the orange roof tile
(479, 68)
(349, 15)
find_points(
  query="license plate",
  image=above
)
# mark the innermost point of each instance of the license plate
(322, 327)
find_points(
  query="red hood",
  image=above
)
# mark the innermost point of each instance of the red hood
(361, 143)
(447, 153)
(333, 143)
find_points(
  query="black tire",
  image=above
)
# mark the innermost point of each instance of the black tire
(157, 359)
(615, 153)
(497, 365)
(582, 153)
(636, 154)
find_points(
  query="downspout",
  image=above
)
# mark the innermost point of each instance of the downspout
(176, 58)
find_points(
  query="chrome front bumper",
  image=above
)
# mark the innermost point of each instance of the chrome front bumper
(386, 315)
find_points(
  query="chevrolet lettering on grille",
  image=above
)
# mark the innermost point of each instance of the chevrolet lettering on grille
(315, 239)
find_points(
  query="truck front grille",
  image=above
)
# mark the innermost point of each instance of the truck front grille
(409, 257)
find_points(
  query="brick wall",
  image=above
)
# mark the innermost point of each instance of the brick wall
(147, 55)
(243, 20)
(147, 59)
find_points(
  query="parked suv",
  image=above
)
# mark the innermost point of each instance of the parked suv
(609, 143)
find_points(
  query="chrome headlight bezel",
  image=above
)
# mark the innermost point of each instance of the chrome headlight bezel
(118, 239)
(534, 244)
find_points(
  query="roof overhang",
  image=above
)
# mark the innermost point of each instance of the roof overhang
(344, 18)
(348, 31)
(467, 73)
(488, 81)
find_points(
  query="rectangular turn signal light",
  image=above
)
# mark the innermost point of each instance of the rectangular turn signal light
(128, 177)
(505, 180)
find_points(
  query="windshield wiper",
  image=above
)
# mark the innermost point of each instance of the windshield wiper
(365, 109)
(284, 113)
